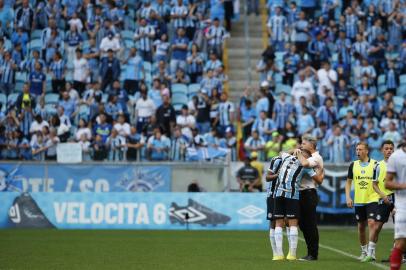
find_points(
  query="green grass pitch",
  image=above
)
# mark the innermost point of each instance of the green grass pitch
(61, 249)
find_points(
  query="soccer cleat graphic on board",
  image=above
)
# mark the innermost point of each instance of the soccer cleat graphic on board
(25, 213)
(195, 213)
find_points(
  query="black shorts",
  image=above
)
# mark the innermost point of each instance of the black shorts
(383, 210)
(285, 207)
(270, 203)
(366, 211)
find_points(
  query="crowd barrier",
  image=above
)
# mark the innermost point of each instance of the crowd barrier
(142, 196)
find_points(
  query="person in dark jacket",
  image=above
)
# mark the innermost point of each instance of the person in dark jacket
(25, 99)
(109, 70)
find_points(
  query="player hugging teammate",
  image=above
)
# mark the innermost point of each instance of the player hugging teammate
(285, 174)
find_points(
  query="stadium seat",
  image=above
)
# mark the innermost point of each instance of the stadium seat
(127, 35)
(179, 88)
(283, 88)
(402, 79)
(398, 102)
(36, 34)
(21, 77)
(193, 90)
(381, 79)
(278, 78)
(129, 43)
(147, 67)
(12, 98)
(51, 109)
(35, 44)
(19, 86)
(8, 45)
(279, 56)
(381, 89)
(3, 101)
(148, 78)
(402, 91)
(51, 98)
(179, 98)
(105, 98)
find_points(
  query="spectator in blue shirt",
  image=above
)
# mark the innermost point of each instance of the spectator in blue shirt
(37, 81)
(109, 69)
(305, 122)
(158, 146)
(179, 51)
(68, 104)
(327, 113)
(247, 118)
(57, 69)
(122, 96)
(6, 16)
(92, 55)
(102, 129)
(112, 108)
(374, 143)
(20, 37)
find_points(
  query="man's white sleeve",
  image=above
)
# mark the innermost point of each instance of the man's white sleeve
(391, 166)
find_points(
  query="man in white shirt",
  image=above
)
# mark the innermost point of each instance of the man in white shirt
(396, 180)
(80, 72)
(327, 77)
(38, 124)
(302, 88)
(122, 127)
(309, 198)
(145, 108)
(186, 122)
(109, 42)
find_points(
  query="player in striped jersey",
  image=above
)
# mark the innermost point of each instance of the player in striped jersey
(272, 175)
(386, 200)
(286, 200)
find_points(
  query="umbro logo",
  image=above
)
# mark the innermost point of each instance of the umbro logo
(363, 183)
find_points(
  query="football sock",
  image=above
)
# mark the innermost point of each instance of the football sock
(288, 234)
(272, 240)
(294, 235)
(279, 241)
(364, 249)
(371, 249)
(396, 259)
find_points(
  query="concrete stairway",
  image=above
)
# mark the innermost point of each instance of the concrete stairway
(244, 51)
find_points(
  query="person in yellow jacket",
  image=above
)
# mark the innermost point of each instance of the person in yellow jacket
(274, 146)
(386, 198)
(362, 172)
(260, 167)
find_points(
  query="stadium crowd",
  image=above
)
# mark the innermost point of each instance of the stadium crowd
(144, 80)
(334, 69)
(127, 80)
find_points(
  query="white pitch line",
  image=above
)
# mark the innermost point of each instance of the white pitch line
(347, 254)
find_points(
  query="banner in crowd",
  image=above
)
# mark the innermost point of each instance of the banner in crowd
(84, 178)
(154, 210)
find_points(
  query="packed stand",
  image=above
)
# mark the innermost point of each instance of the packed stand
(127, 80)
(333, 69)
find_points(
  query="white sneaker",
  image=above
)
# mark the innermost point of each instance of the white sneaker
(363, 255)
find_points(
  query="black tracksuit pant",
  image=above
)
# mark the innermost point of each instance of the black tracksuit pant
(308, 220)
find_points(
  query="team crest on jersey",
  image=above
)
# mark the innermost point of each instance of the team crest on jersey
(363, 171)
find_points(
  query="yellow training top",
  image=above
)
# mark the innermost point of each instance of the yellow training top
(363, 177)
